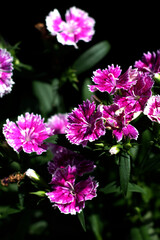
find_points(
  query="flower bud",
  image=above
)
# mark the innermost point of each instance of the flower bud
(32, 174)
(115, 149)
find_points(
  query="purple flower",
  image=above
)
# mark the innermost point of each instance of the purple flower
(57, 123)
(64, 157)
(85, 124)
(152, 109)
(6, 68)
(135, 98)
(150, 62)
(69, 196)
(28, 134)
(78, 26)
(109, 79)
(118, 121)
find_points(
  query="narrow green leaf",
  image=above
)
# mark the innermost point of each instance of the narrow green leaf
(39, 193)
(44, 93)
(86, 94)
(91, 57)
(124, 171)
(82, 220)
(111, 188)
(132, 187)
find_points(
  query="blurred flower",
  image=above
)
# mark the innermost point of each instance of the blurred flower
(6, 68)
(118, 121)
(152, 109)
(78, 26)
(150, 62)
(28, 134)
(69, 196)
(64, 157)
(57, 123)
(85, 124)
(109, 79)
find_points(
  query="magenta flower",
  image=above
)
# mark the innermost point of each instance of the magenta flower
(152, 109)
(118, 121)
(109, 79)
(135, 98)
(85, 124)
(78, 26)
(57, 123)
(69, 196)
(64, 157)
(150, 62)
(6, 68)
(28, 134)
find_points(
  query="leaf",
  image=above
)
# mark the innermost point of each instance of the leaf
(44, 93)
(39, 193)
(113, 187)
(124, 171)
(6, 210)
(86, 94)
(82, 220)
(97, 226)
(91, 57)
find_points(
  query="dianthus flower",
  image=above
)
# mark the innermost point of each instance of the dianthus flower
(78, 26)
(150, 62)
(118, 121)
(6, 68)
(152, 109)
(28, 134)
(109, 79)
(57, 123)
(64, 157)
(85, 124)
(69, 196)
(135, 98)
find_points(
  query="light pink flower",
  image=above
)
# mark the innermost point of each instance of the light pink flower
(78, 26)
(57, 123)
(6, 67)
(152, 109)
(28, 134)
(69, 196)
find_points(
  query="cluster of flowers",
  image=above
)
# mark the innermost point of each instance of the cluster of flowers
(132, 95)
(66, 194)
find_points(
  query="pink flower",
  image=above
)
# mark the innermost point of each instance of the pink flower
(150, 62)
(64, 157)
(85, 124)
(78, 26)
(69, 196)
(109, 79)
(28, 134)
(6, 68)
(118, 121)
(152, 109)
(135, 98)
(57, 123)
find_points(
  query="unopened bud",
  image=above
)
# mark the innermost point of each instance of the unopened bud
(32, 174)
(115, 149)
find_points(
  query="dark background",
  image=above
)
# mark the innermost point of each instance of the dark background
(131, 27)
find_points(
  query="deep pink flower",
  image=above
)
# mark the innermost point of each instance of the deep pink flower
(6, 68)
(64, 157)
(118, 121)
(150, 62)
(28, 134)
(69, 196)
(85, 124)
(57, 123)
(135, 98)
(109, 79)
(78, 26)
(152, 109)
